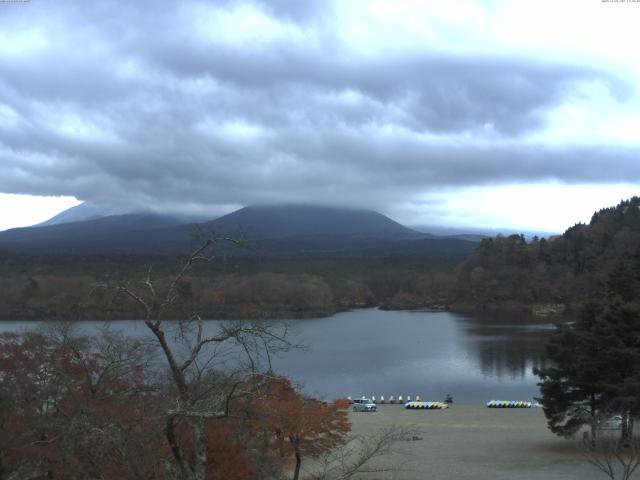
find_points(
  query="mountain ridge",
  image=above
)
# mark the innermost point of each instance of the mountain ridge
(278, 231)
(284, 221)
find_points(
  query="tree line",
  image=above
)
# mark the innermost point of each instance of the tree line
(565, 269)
(61, 288)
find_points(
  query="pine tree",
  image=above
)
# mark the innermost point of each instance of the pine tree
(571, 389)
(596, 361)
(617, 325)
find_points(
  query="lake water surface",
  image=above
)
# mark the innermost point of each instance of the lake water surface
(375, 352)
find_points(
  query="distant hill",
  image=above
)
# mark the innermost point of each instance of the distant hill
(477, 233)
(290, 231)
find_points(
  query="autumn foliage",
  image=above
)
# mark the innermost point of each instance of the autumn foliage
(228, 456)
(75, 407)
(302, 426)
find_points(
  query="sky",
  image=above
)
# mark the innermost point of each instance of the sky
(489, 114)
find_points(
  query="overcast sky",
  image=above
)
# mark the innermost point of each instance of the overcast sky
(490, 114)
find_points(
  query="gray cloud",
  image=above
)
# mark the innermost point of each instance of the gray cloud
(294, 10)
(131, 103)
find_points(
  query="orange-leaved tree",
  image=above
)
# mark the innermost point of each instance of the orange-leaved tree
(298, 425)
(75, 407)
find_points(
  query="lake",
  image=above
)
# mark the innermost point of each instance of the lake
(375, 352)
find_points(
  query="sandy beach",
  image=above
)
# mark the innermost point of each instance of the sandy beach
(475, 442)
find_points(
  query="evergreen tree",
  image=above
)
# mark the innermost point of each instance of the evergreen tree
(571, 389)
(596, 361)
(617, 325)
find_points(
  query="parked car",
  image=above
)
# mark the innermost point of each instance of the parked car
(611, 423)
(363, 405)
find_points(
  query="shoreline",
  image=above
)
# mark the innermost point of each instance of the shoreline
(539, 311)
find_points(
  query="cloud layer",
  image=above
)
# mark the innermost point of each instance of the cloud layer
(193, 105)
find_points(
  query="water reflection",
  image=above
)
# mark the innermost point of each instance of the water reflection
(427, 353)
(507, 346)
(373, 352)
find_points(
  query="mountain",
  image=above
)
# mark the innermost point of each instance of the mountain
(286, 231)
(297, 231)
(290, 221)
(93, 211)
(86, 211)
(134, 232)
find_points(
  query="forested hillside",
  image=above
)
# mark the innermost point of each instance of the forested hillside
(503, 273)
(563, 270)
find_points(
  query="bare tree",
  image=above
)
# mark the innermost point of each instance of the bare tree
(208, 368)
(615, 458)
(361, 455)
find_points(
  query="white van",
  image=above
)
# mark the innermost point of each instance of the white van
(611, 423)
(363, 405)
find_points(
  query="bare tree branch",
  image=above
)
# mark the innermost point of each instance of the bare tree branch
(359, 453)
(613, 457)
